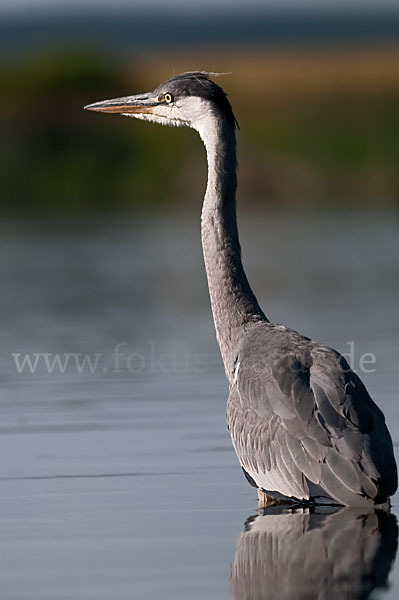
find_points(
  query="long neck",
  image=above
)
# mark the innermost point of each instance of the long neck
(234, 305)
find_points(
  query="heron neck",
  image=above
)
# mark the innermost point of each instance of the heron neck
(234, 305)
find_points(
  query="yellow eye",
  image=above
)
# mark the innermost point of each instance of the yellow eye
(168, 98)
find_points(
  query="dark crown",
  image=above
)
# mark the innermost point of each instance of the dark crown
(199, 83)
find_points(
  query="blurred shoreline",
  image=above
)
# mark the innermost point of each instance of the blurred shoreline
(317, 103)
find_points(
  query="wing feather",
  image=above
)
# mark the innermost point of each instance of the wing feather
(298, 414)
(307, 465)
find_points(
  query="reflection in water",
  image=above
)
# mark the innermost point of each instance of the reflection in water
(307, 554)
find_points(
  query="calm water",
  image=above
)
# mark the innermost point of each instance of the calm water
(118, 478)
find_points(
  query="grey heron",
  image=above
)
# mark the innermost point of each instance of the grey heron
(302, 423)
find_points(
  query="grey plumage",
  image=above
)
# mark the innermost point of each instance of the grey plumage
(303, 400)
(302, 423)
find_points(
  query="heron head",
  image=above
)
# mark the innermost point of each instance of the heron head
(186, 100)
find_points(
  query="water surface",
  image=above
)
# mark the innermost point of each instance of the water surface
(119, 478)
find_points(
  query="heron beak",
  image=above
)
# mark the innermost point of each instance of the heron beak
(142, 103)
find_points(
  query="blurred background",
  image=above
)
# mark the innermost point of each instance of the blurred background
(315, 87)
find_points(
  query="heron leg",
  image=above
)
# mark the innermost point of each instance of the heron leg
(264, 499)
